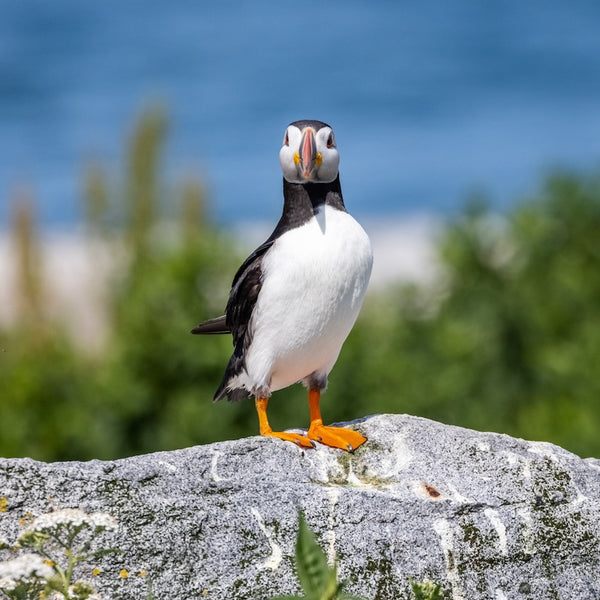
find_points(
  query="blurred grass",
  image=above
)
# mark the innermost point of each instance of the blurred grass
(507, 340)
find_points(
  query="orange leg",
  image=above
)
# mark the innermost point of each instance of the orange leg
(337, 437)
(265, 428)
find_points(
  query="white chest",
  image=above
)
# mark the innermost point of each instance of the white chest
(314, 281)
(327, 261)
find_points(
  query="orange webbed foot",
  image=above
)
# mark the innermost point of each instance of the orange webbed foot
(265, 428)
(336, 437)
(296, 438)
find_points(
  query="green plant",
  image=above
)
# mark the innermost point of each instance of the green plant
(426, 590)
(57, 543)
(148, 385)
(317, 578)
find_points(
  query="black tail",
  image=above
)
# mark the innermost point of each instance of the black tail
(226, 389)
(235, 365)
(212, 326)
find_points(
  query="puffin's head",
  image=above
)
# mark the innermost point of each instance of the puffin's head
(309, 153)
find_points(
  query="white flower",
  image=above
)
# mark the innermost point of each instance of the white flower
(104, 521)
(68, 516)
(7, 584)
(73, 517)
(24, 568)
(4, 543)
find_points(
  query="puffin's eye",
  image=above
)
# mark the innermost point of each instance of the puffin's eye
(331, 141)
(286, 139)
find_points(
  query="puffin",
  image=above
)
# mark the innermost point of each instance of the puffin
(295, 299)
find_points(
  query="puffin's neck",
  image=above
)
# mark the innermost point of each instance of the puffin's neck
(312, 195)
(302, 200)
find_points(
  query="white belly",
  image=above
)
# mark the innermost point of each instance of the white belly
(314, 281)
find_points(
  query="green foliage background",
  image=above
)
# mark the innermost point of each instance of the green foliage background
(507, 339)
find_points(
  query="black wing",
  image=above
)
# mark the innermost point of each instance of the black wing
(244, 293)
(242, 299)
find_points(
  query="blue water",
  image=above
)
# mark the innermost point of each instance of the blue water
(429, 99)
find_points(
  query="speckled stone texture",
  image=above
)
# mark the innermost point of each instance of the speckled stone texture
(485, 515)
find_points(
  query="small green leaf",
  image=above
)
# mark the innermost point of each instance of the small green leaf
(317, 578)
(314, 573)
(426, 590)
(332, 587)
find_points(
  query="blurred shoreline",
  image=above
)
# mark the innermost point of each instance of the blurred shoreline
(76, 268)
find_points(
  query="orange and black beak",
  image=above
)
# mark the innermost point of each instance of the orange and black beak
(308, 154)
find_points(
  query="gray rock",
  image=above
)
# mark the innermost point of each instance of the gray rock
(485, 515)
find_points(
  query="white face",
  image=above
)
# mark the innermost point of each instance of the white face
(308, 155)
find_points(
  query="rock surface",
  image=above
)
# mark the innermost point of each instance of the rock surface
(484, 515)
